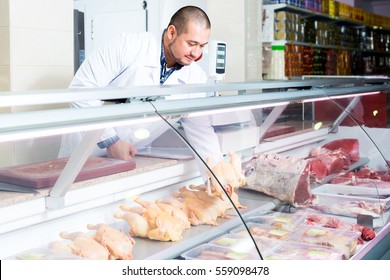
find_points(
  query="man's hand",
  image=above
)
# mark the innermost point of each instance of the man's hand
(121, 150)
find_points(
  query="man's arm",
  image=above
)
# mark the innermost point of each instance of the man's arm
(121, 150)
(97, 71)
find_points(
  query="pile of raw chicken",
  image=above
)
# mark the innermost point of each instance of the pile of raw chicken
(163, 219)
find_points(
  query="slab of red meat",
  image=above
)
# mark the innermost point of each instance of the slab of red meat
(365, 177)
(335, 161)
(349, 145)
(286, 178)
(344, 178)
(318, 170)
(367, 172)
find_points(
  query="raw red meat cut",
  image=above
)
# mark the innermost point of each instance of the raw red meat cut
(365, 177)
(338, 154)
(336, 223)
(334, 161)
(318, 170)
(352, 208)
(286, 178)
(349, 145)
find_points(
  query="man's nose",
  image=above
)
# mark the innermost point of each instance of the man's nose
(196, 52)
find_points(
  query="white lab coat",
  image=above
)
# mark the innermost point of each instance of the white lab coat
(134, 60)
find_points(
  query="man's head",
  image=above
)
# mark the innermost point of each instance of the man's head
(187, 34)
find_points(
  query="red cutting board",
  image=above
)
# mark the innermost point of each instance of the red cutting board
(45, 174)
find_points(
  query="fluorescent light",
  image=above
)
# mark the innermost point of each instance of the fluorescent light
(229, 110)
(338, 96)
(37, 133)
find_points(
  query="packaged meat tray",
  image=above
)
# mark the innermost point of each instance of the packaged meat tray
(350, 206)
(353, 191)
(214, 252)
(344, 241)
(238, 242)
(281, 220)
(44, 254)
(289, 250)
(263, 230)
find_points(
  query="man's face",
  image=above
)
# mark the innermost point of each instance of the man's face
(186, 47)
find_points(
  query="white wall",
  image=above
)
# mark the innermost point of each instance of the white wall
(36, 53)
(41, 43)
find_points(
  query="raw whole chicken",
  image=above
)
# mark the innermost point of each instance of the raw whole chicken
(86, 246)
(63, 247)
(193, 206)
(138, 224)
(119, 245)
(175, 202)
(221, 206)
(229, 174)
(172, 210)
(163, 226)
(154, 223)
(235, 161)
(175, 212)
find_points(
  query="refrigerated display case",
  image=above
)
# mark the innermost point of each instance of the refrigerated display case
(280, 160)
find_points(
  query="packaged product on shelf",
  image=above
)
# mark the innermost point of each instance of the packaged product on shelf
(263, 230)
(281, 220)
(345, 241)
(239, 242)
(302, 251)
(214, 252)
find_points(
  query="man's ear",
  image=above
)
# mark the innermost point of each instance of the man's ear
(201, 55)
(171, 31)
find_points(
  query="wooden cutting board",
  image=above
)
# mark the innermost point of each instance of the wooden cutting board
(45, 174)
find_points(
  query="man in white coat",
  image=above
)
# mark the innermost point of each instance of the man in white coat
(150, 59)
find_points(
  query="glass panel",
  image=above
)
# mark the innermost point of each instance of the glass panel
(251, 176)
(289, 159)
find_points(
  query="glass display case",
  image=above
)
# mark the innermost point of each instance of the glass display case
(263, 170)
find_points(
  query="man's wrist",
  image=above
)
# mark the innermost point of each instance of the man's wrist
(108, 142)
